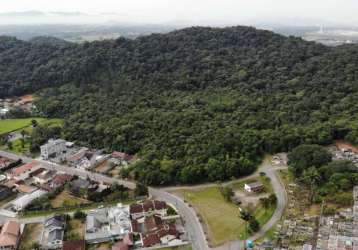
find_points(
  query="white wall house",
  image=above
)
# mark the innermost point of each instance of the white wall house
(53, 147)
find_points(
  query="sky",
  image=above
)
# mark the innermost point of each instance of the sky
(199, 11)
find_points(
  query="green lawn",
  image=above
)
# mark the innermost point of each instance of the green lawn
(20, 147)
(9, 125)
(220, 217)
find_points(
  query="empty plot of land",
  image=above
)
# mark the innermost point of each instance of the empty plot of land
(31, 234)
(75, 230)
(221, 218)
(66, 199)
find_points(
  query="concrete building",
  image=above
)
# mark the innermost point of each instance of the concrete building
(53, 232)
(53, 148)
(107, 224)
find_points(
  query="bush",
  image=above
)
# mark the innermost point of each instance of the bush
(79, 215)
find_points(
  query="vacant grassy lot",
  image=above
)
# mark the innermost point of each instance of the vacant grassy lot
(75, 230)
(66, 199)
(221, 218)
(9, 125)
(31, 234)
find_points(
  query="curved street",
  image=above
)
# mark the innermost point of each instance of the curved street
(191, 221)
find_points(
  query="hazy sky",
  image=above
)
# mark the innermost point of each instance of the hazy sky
(232, 11)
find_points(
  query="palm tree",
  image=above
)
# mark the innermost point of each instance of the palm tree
(311, 177)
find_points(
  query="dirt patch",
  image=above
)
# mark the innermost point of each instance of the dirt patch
(103, 167)
(340, 144)
(249, 199)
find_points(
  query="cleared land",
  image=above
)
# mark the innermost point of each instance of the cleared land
(31, 234)
(221, 218)
(10, 125)
(66, 199)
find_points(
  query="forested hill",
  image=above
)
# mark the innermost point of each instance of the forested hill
(196, 104)
(186, 59)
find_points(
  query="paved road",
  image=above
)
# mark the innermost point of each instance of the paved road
(192, 224)
(279, 190)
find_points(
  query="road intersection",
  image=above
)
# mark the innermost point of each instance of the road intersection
(192, 223)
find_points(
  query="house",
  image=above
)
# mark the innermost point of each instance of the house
(25, 189)
(86, 158)
(74, 245)
(9, 236)
(4, 162)
(44, 176)
(21, 202)
(59, 180)
(79, 185)
(124, 158)
(5, 192)
(23, 172)
(147, 208)
(53, 232)
(253, 187)
(153, 230)
(53, 148)
(107, 224)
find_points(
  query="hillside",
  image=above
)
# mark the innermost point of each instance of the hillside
(197, 104)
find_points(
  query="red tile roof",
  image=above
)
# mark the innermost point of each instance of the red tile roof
(61, 179)
(147, 206)
(150, 240)
(152, 223)
(24, 168)
(124, 156)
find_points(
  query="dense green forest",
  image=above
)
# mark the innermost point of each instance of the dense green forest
(199, 104)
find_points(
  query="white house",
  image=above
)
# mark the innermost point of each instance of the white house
(253, 187)
(53, 232)
(20, 203)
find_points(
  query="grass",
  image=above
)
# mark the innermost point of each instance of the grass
(67, 199)
(221, 218)
(74, 230)
(31, 234)
(20, 147)
(10, 125)
(263, 215)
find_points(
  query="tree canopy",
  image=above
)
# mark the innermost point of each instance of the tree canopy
(198, 104)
